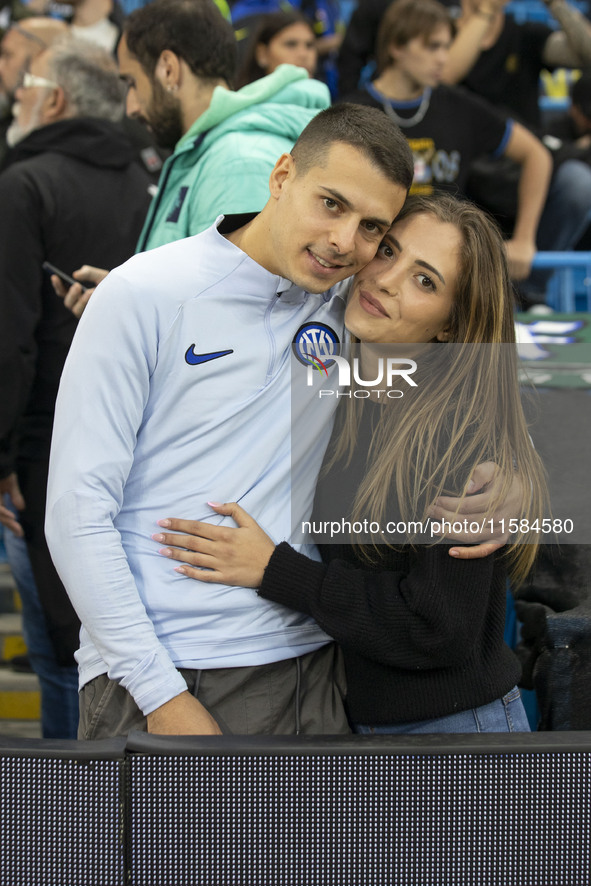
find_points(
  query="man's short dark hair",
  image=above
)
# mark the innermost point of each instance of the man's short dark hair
(367, 129)
(195, 30)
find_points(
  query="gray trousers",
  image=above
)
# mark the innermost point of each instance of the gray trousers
(299, 695)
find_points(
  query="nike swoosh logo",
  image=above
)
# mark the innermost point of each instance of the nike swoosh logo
(194, 359)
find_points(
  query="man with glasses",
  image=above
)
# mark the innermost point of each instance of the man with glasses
(30, 107)
(21, 43)
(72, 188)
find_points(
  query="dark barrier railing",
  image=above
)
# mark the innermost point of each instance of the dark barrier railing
(61, 813)
(441, 810)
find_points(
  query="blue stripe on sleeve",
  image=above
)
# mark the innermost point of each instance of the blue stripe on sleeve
(505, 140)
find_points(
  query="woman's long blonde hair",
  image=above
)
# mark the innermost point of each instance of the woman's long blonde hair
(466, 409)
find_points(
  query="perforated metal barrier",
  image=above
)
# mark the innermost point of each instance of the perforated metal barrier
(60, 813)
(387, 811)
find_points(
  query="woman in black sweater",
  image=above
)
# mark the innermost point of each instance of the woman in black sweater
(421, 631)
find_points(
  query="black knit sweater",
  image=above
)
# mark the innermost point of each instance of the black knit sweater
(422, 633)
(422, 640)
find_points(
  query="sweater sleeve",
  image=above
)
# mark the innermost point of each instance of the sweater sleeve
(427, 616)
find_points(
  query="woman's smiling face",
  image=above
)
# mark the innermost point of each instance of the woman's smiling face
(406, 293)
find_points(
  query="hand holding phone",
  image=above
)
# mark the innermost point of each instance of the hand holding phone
(65, 278)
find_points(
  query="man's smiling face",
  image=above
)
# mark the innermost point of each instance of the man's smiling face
(329, 219)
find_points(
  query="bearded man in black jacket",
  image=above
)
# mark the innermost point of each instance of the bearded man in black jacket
(72, 191)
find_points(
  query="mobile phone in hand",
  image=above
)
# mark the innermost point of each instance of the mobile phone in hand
(65, 278)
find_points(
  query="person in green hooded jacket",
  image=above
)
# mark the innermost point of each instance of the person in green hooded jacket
(178, 58)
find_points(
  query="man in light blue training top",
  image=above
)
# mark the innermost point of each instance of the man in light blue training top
(185, 399)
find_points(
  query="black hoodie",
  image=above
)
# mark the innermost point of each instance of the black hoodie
(72, 193)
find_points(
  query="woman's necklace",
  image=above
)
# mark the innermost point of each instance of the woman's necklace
(416, 118)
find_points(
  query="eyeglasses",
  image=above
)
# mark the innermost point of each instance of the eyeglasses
(28, 35)
(31, 80)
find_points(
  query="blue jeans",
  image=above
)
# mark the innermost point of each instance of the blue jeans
(506, 714)
(566, 216)
(59, 684)
(567, 211)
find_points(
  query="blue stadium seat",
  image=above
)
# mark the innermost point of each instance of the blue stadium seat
(569, 289)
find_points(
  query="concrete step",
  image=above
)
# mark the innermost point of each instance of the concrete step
(11, 635)
(9, 600)
(20, 698)
(21, 728)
